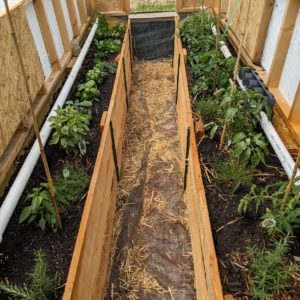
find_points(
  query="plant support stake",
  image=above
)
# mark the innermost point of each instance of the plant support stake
(177, 82)
(130, 49)
(187, 152)
(34, 119)
(114, 149)
(125, 80)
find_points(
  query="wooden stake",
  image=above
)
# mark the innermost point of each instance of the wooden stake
(218, 27)
(236, 68)
(34, 119)
(292, 180)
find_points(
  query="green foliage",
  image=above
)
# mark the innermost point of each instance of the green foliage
(208, 108)
(41, 286)
(41, 207)
(75, 181)
(233, 173)
(153, 7)
(100, 72)
(70, 126)
(211, 71)
(109, 46)
(88, 91)
(105, 31)
(279, 217)
(270, 271)
(250, 148)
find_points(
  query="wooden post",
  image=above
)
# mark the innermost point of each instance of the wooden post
(292, 180)
(35, 123)
(73, 18)
(294, 115)
(82, 11)
(283, 42)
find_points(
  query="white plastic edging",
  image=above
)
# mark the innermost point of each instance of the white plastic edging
(9, 204)
(274, 139)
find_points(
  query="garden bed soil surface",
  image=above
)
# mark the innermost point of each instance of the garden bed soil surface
(232, 232)
(152, 256)
(20, 240)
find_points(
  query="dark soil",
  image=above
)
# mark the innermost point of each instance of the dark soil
(21, 240)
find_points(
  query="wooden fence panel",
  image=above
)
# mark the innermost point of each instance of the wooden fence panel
(88, 272)
(113, 7)
(183, 6)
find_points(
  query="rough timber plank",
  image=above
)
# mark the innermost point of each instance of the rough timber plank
(91, 257)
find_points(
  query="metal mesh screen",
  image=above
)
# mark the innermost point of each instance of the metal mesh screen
(153, 40)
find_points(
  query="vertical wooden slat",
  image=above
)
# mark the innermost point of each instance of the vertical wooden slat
(73, 18)
(82, 11)
(295, 109)
(62, 25)
(47, 35)
(283, 42)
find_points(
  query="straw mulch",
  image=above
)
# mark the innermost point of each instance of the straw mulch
(151, 251)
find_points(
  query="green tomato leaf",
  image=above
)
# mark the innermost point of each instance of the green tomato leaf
(231, 111)
(238, 137)
(26, 212)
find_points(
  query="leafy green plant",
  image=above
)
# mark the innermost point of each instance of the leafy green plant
(269, 269)
(251, 147)
(75, 181)
(208, 108)
(233, 173)
(109, 46)
(88, 91)
(279, 217)
(41, 206)
(41, 286)
(105, 30)
(69, 126)
(100, 72)
(153, 7)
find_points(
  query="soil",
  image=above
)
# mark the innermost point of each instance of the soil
(21, 240)
(152, 248)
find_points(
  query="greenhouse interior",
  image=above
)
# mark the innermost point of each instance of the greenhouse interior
(149, 149)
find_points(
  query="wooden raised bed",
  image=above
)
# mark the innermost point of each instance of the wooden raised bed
(91, 258)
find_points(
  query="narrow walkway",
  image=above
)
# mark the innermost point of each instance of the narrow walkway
(152, 252)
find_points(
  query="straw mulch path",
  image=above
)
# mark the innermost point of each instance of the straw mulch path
(151, 251)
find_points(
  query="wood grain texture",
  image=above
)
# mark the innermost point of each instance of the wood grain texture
(117, 7)
(207, 277)
(91, 258)
(14, 103)
(259, 19)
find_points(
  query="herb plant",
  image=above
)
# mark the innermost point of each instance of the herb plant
(109, 46)
(75, 181)
(269, 270)
(69, 126)
(41, 206)
(100, 72)
(279, 217)
(88, 91)
(41, 285)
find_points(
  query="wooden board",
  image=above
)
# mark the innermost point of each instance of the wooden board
(91, 257)
(257, 28)
(14, 104)
(113, 7)
(183, 6)
(207, 278)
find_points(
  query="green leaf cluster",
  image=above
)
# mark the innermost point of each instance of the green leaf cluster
(269, 269)
(279, 216)
(41, 285)
(70, 126)
(41, 208)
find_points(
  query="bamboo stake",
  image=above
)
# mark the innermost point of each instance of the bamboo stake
(34, 119)
(236, 69)
(292, 180)
(218, 27)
